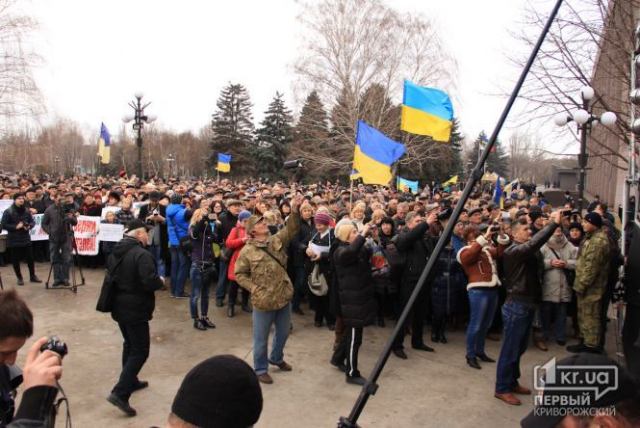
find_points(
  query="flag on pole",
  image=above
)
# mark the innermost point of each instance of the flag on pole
(452, 180)
(104, 143)
(404, 184)
(224, 162)
(373, 155)
(497, 194)
(354, 175)
(426, 111)
(510, 187)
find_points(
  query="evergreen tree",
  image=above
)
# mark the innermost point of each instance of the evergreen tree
(232, 128)
(273, 139)
(311, 136)
(498, 160)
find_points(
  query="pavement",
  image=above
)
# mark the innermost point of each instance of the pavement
(427, 390)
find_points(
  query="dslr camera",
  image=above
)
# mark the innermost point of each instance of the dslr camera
(54, 344)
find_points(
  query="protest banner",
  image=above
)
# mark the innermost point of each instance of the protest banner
(37, 234)
(86, 235)
(105, 210)
(110, 232)
(4, 204)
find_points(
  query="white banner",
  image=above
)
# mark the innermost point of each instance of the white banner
(110, 232)
(4, 204)
(105, 210)
(86, 235)
(37, 234)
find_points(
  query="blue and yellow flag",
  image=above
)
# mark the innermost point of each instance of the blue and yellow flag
(452, 180)
(224, 162)
(497, 195)
(426, 111)
(104, 143)
(404, 185)
(374, 154)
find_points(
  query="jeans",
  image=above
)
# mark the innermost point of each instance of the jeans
(556, 313)
(221, 288)
(200, 285)
(299, 285)
(517, 318)
(179, 270)
(156, 251)
(135, 352)
(482, 304)
(262, 321)
(60, 254)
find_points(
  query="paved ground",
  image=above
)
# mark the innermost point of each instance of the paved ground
(428, 390)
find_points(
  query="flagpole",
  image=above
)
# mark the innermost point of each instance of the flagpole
(370, 387)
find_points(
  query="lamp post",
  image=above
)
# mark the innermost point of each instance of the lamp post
(584, 118)
(56, 161)
(139, 118)
(171, 159)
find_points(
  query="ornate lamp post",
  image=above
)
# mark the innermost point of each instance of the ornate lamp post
(139, 118)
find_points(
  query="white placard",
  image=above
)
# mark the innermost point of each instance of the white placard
(110, 232)
(86, 235)
(37, 233)
(105, 210)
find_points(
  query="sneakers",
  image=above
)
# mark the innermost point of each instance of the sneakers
(198, 324)
(122, 405)
(265, 378)
(356, 380)
(207, 322)
(181, 296)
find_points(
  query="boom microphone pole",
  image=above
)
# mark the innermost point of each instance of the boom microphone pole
(370, 387)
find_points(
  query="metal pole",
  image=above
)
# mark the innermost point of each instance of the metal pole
(582, 158)
(370, 385)
(138, 123)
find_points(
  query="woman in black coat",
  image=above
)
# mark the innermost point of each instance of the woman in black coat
(352, 265)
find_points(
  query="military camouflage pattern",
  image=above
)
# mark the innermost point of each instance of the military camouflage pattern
(264, 277)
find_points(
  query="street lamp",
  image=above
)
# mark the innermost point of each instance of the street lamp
(56, 161)
(171, 159)
(139, 118)
(584, 118)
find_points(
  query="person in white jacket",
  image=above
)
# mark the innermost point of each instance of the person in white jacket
(559, 265)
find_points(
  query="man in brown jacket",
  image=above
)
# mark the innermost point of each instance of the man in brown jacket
(261, 269)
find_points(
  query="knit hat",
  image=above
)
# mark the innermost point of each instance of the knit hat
(322, 218)
(576, 225)
(18, 195)
(343, 229)
(594, 218)
(244, 214)
(222, 391)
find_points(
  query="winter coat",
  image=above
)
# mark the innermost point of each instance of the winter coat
(592, 266)
(555, 287)
(449, 281)
(56, 225)
(324, 262)
(137, 279)
(236, 243)
(10, 219)
(300, 243)
(265, 274)
(416, 246)
(383, 273)
(203, 234)
(163, 240)
(353, 273)
(229, 221)
(177, 223)
(478, 260)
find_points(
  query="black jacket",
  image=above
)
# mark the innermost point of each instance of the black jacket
(137, 279)
(353, 274)
(416, 246)
(228, 221)
(522, 270)
(56, 224)
(299, 243)
(10, 219)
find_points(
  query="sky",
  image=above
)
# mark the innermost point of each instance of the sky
(97, 54)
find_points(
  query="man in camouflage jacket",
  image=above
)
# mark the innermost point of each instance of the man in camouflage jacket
(592, 270)
(261, 269)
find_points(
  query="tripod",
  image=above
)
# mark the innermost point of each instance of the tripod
(74, 261)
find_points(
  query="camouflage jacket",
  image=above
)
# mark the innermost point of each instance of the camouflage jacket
(592, 266)
(261, 274)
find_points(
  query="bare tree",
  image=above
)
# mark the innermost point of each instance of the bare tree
(355, 55)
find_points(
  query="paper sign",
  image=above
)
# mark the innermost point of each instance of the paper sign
(37, 234)
(86, 235)
(110, 232)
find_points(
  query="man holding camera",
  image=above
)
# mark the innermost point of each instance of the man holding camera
(155, 214)
(18, 221)
(41, 370)
(58, 222)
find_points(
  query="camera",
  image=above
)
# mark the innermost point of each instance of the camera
(155, 212)
(566, 213)
(54, 344)
(495, 227)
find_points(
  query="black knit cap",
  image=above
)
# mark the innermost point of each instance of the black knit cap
(220, 392)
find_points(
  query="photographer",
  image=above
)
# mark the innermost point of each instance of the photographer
(41, 370)
(18, 221)
(155, 214)
(204, 230)
(58, 222)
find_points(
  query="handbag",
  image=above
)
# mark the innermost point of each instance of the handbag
(107, 291)
(568, 274)
(317, 282)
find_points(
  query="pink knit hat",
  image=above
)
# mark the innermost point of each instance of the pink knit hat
(322, 218)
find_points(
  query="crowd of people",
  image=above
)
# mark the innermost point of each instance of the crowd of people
(511, 270)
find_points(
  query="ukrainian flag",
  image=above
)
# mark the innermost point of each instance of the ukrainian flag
(374, 154)
(452, 180)
(403, 183)
(104, 143)
(426, 111)
(224, 162)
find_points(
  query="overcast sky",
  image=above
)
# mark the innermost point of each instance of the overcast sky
(97, 54)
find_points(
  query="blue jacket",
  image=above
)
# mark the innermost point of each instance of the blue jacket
(177, 223)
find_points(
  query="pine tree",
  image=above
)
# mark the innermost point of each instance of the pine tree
(311, 137)
(273, 139)
(498, 160)
(232, 128)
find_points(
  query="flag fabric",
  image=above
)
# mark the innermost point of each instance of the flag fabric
(374, 153)
(511, 187)
(403, 183)
(104, 143)
(426, 111)
(497, 194)
(224, 162)
(452, 180)
(354, 175)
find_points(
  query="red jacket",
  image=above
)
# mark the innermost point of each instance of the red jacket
(478, 261)
(235, 242)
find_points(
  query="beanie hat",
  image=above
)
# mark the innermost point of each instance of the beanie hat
(18, 195)
(322, 218)
(576, 225)
(244, 214)
(343, 230)
(594, 218)
(222, 391)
